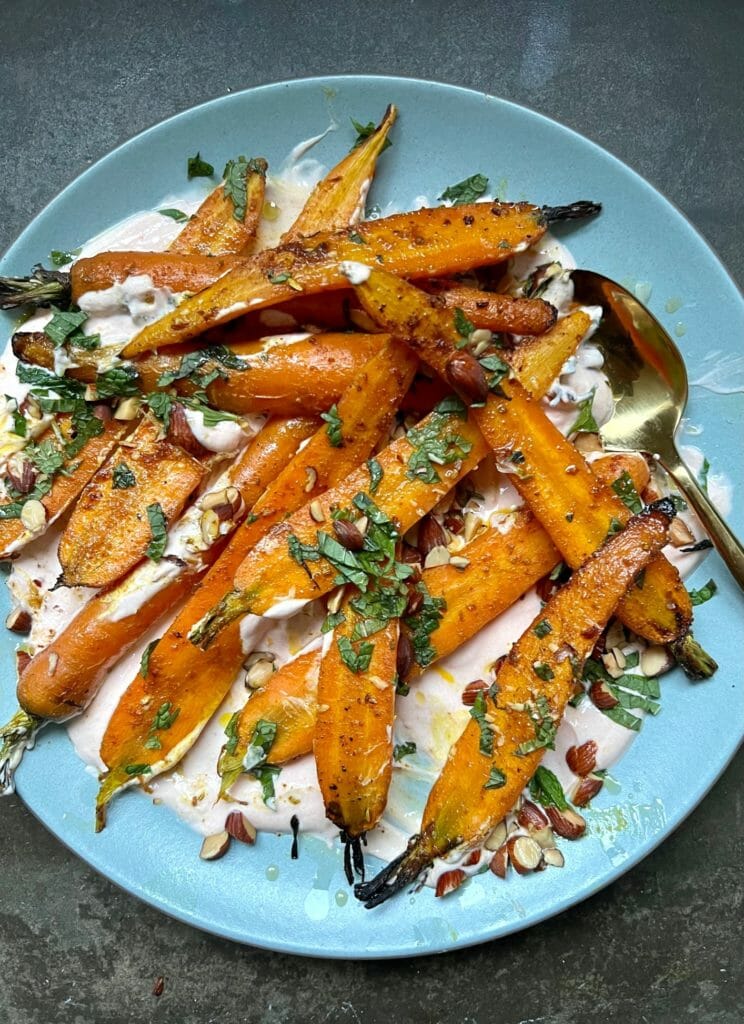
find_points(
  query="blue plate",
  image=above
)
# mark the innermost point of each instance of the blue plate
(444, 134)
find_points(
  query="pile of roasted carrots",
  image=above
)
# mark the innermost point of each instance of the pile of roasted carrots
(331, 499)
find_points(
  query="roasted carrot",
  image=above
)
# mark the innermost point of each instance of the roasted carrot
(178, 271)
(113, 524)
(420, 244)
(285, 376)
(338, 200)
(62, 679)
(197, 681)
(575, 508)
(353, 742)
(494, 311)
(66, 487)
(517, 559)
(288, 701)
(218, 228)
(515, 721)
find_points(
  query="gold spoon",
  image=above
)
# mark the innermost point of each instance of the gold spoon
(649, 384)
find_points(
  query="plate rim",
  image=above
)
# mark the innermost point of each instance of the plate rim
(641, 850)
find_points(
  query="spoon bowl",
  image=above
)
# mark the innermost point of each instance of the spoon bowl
(649, 385)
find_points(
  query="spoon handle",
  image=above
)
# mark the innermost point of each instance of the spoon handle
(727, 544)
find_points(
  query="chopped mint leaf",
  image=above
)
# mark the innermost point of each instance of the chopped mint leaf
(466, 191)
(145, 659)
(334, 428)
(122, 477)
(704, 593)
(158, 530)
(375, 474)
(177, 215)
(198, 168)
(496, 779)
(545, 789)
(401, 750)
(355, 661)
(585, 422)
(479, 711)
(624, 488)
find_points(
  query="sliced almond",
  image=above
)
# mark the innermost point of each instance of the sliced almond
(430, 535)
(259, 674)
(602, 697)
(554, 857)
(568, 824)
(209, 525)
(587, 443)
(19, 621)
(471, 691)
(316, 511)
(21, 472)
(500, 861)
(582, 759)
(404, 657)
(449, 881)
(497, 837)
(437, 556)
(312, 478)
(215, 846)
(334, 601)
(680, 533)
(531, 816)
(524, 853)
(655, 661)
(226, 503)
(459, 561)
(33, 515)
(543, 837)
(586, 790)
(240, 828)
(348, 535)
(128, 409)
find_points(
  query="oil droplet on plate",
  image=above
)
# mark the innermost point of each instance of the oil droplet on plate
(342, 898)
(272, 872)
(673, 304)
(643, 291)
(679, 329)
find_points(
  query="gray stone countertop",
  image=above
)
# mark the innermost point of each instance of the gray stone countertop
(659, 84)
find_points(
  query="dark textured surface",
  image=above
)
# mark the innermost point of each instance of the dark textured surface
(659, 84)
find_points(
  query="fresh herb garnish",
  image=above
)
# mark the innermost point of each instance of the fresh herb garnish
(704, 593)
(585, 422)
(542, 629)
(122, 477)
(161, 405)
(198, 168)
(479, 711)
(545, 726)
(545, 789)
(279, 278)
(624, 488)
(118, 382)
(463, 326)
(266, 774)
(364, 131)
(703, 478)
(421, 625)
(466, 191)
(631, 692)
(137, 769)
(614, 527)
(377, 607)
(165, 716)
(375, 474)
(401, 750)
(436, 443)
(177, 215)
(158, 531)
(332, 620)
(356, 661)
(302, 553)
(145, 659)
(192, 364)
(61, 257)
(235, 175)
(355, 237)
(496, 369)
(63, 324)
(261, 743)
(496, 779)
(334, 426)
(543, 671)
(231, 732)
